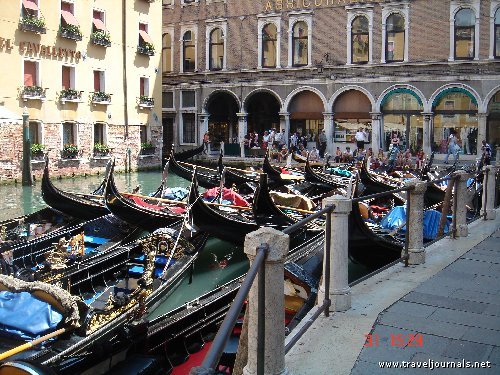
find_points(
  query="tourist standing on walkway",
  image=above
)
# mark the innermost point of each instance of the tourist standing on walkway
(322, 144)
(293, 141)
(206, 141)
(360, 139)
(486, 148)
(313, 155)
(280, 138)
(452, 147)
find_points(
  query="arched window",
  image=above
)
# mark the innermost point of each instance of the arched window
(395, 38)
(465, 22)
(497, 34)
(269, 44)
(300, 43)
(216, 49)
(166, 53)
(188, 50)
(360, 40)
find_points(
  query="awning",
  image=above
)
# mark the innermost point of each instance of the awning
(145, 37)
(307, 116)
(29, 4)
(69, 18)
(99, 25)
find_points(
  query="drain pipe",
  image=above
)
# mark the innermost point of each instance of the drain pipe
(124, 51)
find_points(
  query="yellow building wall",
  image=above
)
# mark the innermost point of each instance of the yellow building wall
(52, 51)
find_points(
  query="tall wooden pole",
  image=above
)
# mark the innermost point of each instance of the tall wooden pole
(27, 178)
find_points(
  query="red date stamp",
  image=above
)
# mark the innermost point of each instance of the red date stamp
(396, 340)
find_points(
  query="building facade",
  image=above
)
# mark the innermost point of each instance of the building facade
(421, 69)
(87, 74)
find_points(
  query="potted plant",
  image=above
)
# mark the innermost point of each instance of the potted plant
(147, 148)
(37, 151)
(101, 150)
(70, 32)
(33, 91)
(146, 48)
(70, 151)
(70, 94)
(32, 23)
(101, 38)
(146, 101)
(101, 97)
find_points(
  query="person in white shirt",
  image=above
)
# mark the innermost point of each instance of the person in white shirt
(452, 147)
(314, 155)
(293, 140)
(360, 139)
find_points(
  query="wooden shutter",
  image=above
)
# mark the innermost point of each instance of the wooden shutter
(29, 73)
(97, 80)
(141, 88)
(66, 77)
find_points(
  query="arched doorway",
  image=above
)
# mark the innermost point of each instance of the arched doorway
(402, 111)
(493, 122)
(223, 120)
(263, 112)
(455, 110)
(351, 111)
(306, 115)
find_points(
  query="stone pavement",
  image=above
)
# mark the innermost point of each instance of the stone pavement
(456, 312)
(453, 300)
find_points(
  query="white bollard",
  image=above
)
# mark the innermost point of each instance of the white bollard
(460, 216)
(340, 293)
(274, 341)
(415, 220)
(488, 211)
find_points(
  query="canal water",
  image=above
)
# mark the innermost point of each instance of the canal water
(218, 263)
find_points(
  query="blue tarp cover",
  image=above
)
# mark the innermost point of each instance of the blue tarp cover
(397, 216)
(23, 316)
(175, 194)
(340, 172)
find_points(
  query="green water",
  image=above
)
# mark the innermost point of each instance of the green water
(218, 263)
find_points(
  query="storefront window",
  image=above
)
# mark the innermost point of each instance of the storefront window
(465, 21)
(493, 127)
(360, 40)
(455, 112)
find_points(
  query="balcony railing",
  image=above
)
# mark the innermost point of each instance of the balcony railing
(146, 49)
(70, 95)
(146, 102)
(33, 93)
(101, 38)
(100, 97)
(70, 32)
(33, 24)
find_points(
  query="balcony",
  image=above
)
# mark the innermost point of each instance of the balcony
(101, 38)
(32, 24)
(33, 93)
(146, 102)
(146, 49)
(70, 95)
(100, 97)
(70, 32)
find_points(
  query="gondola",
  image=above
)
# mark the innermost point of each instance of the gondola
(207, 178)
(232, 228)
(147, 216)
(323, 180)
(276, 178)
(111, 290)
(188, 154)
(373, 183)
(85, 208)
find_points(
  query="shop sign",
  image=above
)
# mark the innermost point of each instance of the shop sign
(277, 5)
(39, 50)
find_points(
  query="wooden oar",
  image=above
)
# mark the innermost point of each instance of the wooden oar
(28, 345)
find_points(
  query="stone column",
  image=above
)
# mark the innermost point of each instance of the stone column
(274, 341)
(203, 121)
(340, 293)
(242, 130)
(427, 142)
(415, 220)
(285, 124)
(460, 217)
(481, 131)
(376, 131)
(488, 209)
(328, 124)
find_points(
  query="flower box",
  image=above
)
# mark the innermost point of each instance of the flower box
(70, 32)
(33, 93)
(101, 150)
(33, 24)
(101, 38)
(146, 49)
(70, 95)
(37, 151)
(100, 97)
(70, 151)
(146, 102)
(147, 149)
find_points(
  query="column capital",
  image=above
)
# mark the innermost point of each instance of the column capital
(328, 115)
(278, 243)
(419, 187)
(343, 206)
(203, 115)
(429, 115)
(242, 115)
(376, 115)
(284, 114)
(482, 115)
